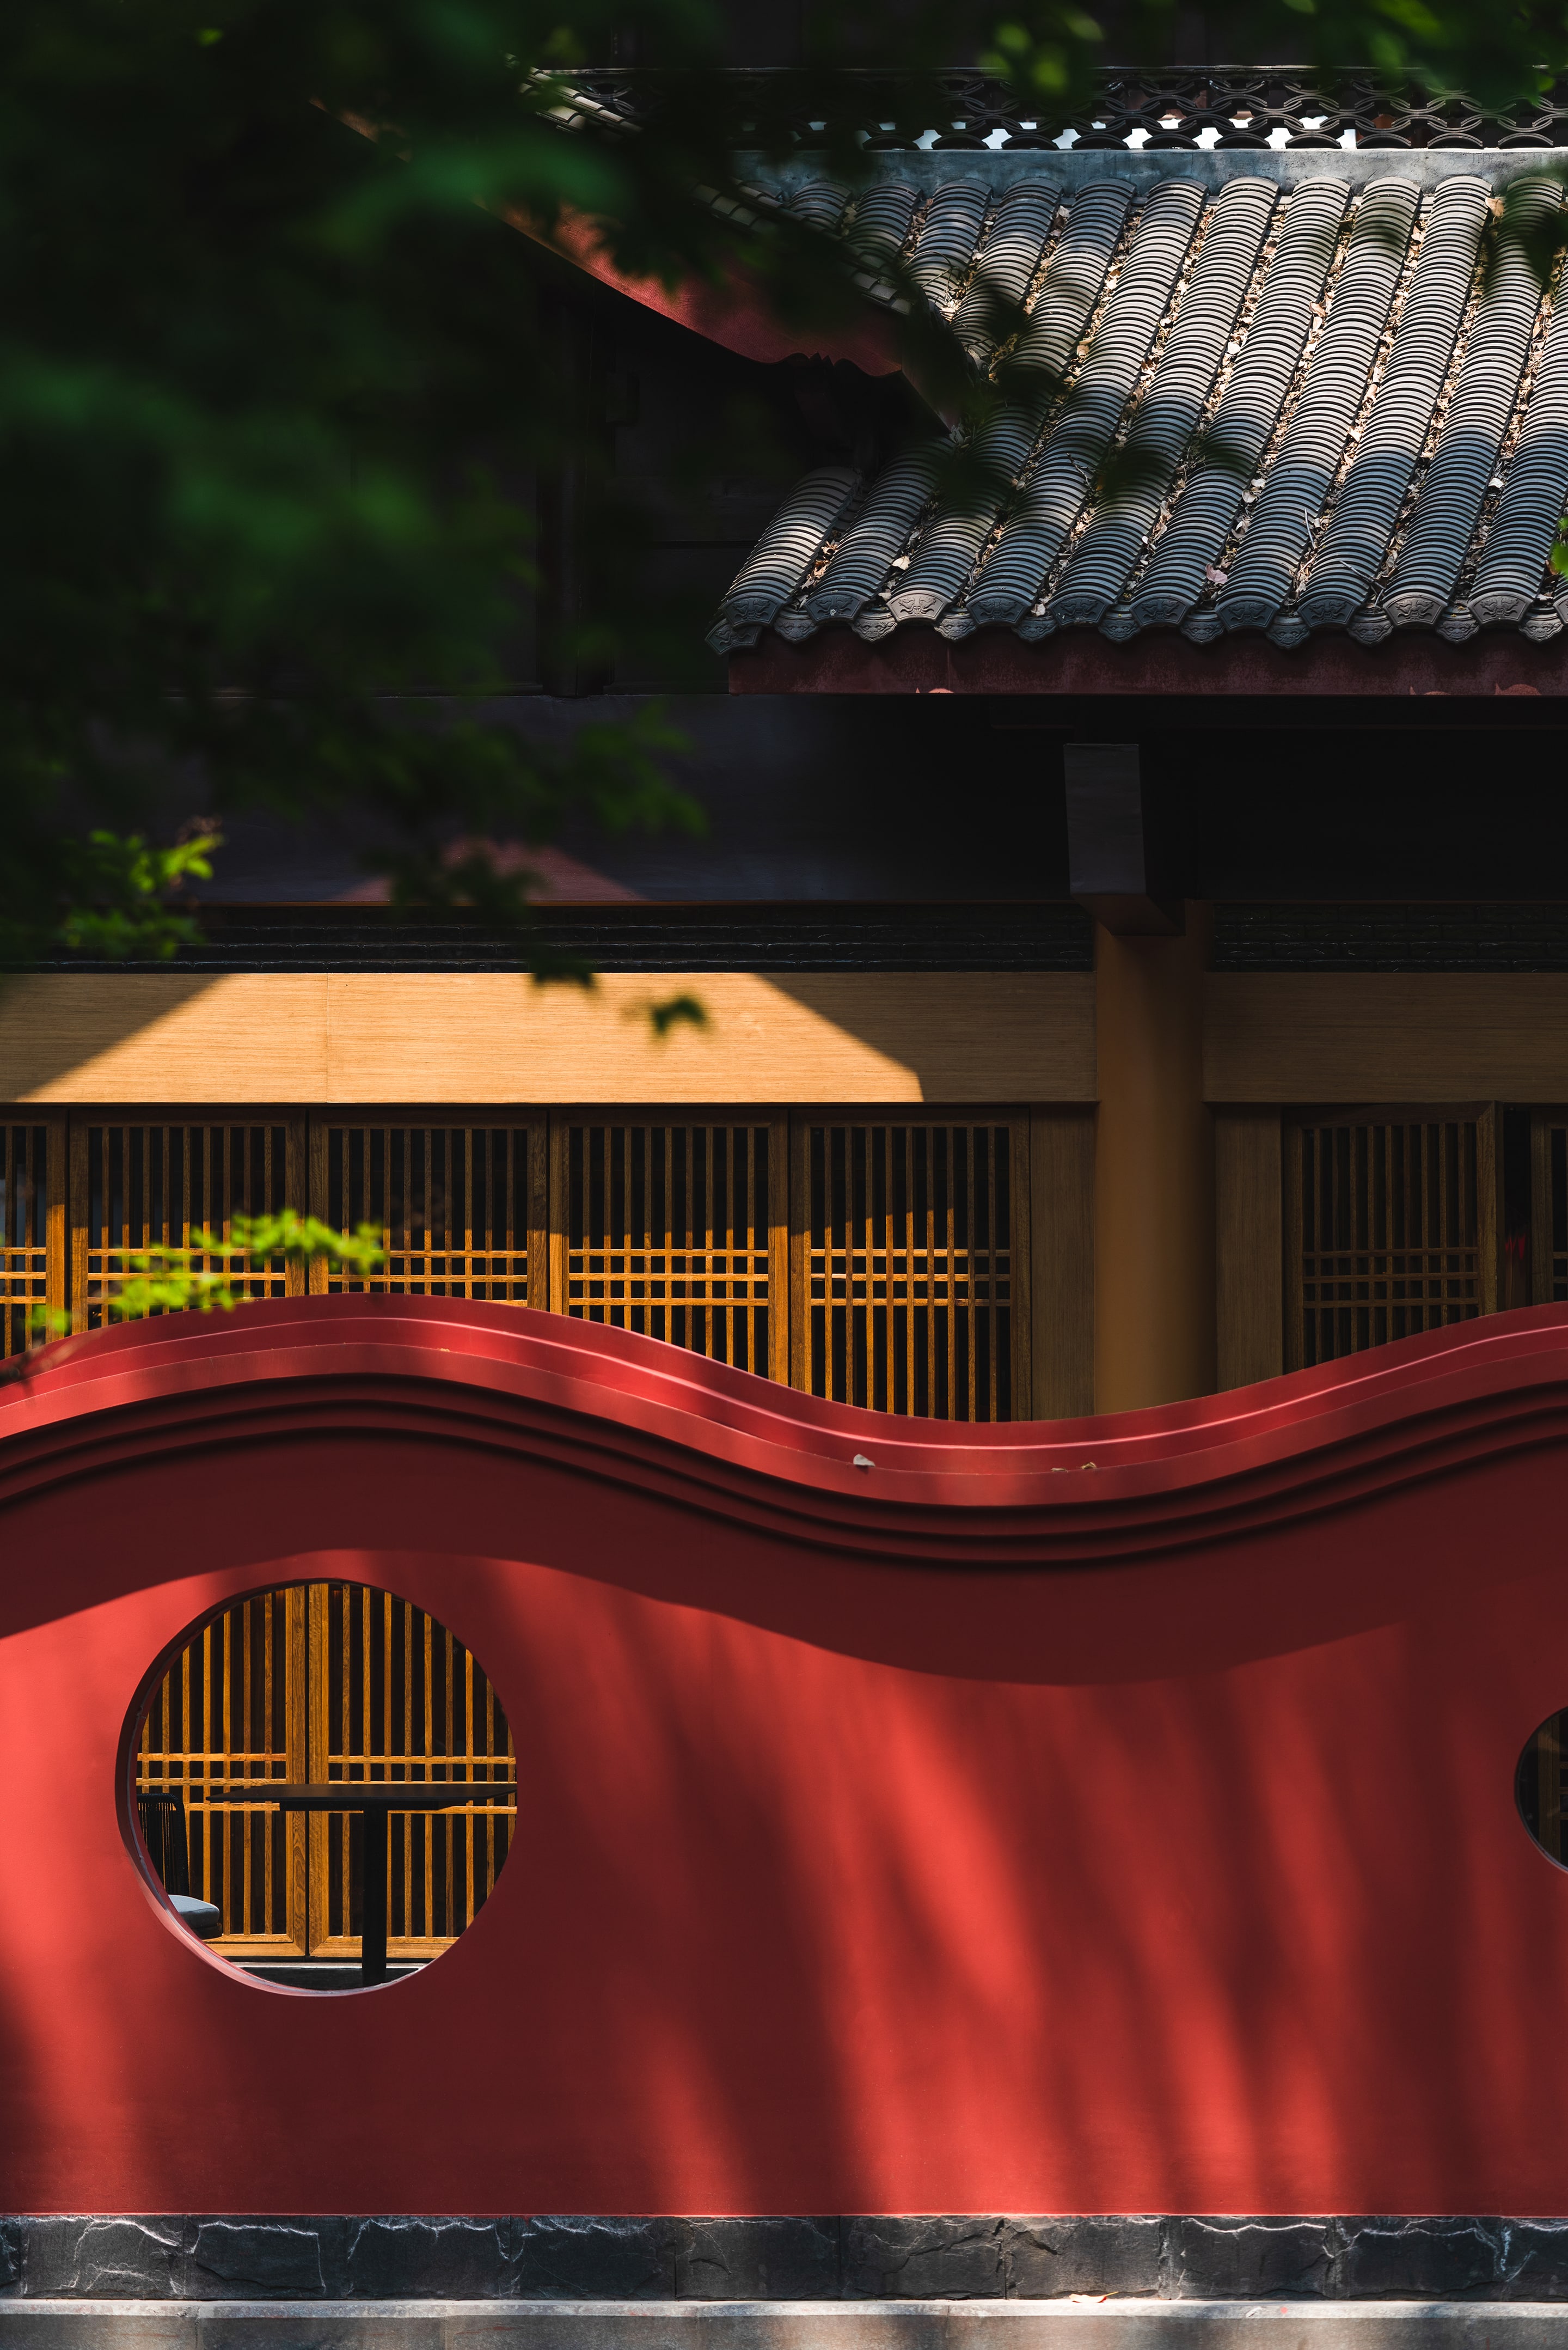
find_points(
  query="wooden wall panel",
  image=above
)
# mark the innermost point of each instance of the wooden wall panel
(1386, 1036)
(494, 1037)
(1062, 1263)
(856, 1036)
(1249, 1246)
(135, 1036)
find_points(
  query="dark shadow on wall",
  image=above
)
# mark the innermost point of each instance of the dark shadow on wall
(52, 1025)
(992, 1037)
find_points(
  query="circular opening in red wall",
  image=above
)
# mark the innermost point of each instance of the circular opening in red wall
(1538, 1786)
(324, 1786)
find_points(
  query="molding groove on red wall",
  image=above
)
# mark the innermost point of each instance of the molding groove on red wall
(723, 1443)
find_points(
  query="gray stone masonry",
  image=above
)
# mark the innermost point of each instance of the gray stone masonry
(934, 2260)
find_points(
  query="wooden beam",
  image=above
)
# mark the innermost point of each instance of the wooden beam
(137, 1036)
(1387, 1036)
(492, 1038)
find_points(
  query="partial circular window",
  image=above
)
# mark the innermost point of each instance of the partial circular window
(324, 1786)
(1539, 1785)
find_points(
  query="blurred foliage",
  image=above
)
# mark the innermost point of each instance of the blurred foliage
(278, 382)
(118, 890)
(211, 1273)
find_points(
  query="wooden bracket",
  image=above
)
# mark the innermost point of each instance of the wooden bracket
(1109, 862)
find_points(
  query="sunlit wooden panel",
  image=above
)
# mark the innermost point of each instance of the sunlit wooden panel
(1391, 1223)
(906, 1239)
(460, 1205)
(676, 1230)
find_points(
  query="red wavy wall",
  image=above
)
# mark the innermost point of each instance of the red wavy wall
(978, 1831)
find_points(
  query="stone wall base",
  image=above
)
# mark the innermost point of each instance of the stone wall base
(973, 2258)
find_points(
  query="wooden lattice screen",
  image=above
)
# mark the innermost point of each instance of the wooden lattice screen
(32, 1226)
(1548, 1206)
(678, 1230)
(232, 1708)
(395, 1696)
(136, 1185)
(326, 1681)
(878, 1258)
(462, 1207)
(910, 1278)
(1391, 1225)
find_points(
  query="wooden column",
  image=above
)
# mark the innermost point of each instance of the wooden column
(1248, 1230)
(1154, 1171)
(1062, 1251)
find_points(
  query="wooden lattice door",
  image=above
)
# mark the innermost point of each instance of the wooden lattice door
(147, 1181)
(1391, 1225)
(233, 1711)
(909, 1272)
(879, 1258)
(1549, 1207)
(393, 1695)
(462, 1205)
(321, 1682)
(675, 1229)
(33, 1230)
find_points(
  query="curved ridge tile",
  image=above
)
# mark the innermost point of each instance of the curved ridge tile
(880, 228)
(1303, 473)
(1008, 260)
(944, 248)
(776, 567)
(1449, 503)
(880, 531)
(1354, 546)
(1250, 407)
(1074, 279)
(822, 204)
(1172, 408)
(1534, 491)
(1063, 475)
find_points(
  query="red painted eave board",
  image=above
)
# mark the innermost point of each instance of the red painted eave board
(1077, 661)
